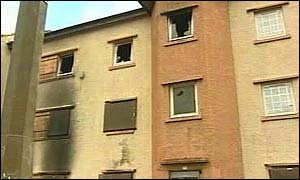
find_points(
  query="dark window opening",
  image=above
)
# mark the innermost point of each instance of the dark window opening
(287, 172)
(181, 25)
(66, 65)
(119, 175)
(120, 115)
(123, 53)
(59, 123)
(185, 174)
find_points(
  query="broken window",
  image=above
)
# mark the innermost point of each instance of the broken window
(116, 175)
(180, 25)
(59, 122)
(284, 172)
(120, 115)
(183, 98)
(66, 64)
(184, 174)
(123, 52)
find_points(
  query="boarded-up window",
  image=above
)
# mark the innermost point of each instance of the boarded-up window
(48, 67)
(288, 172)
(59, 122)
(120, 115)
(119, 175)
(40, 126)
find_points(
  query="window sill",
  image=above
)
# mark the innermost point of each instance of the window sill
(57, 78)
(122, 66)
(180, 119)
(120, 132)
(181, 41)
(57, 138)
(272, 39)
(279, 117)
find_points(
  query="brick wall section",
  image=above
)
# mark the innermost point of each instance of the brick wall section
(216, 136)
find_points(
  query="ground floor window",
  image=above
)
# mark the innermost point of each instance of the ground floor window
(184, 174)
(284, 172)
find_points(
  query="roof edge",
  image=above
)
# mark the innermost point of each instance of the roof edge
(147, 5)
(95, 23)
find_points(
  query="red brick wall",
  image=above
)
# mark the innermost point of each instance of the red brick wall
(216, 136)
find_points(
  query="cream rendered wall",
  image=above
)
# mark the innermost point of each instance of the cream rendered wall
(5, 58)
(92, 150)
(272, 141)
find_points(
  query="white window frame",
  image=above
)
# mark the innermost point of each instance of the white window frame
(170, 26)
(60, 61)
(261, 13)
(115, 63)
(172, 115)
(292, 96)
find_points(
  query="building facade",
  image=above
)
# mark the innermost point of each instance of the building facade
(176, 89)
(92, 120)
(195, 116)
(265, 43)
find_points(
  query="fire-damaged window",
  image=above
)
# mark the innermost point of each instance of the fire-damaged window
(65, 65)
(284, 172)
(59, 123)
(180, 25)
(120, 115)
(122, 53)
(116, 175)
(51, 124)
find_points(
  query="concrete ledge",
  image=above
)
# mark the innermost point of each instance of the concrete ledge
(277, 78)
(181, 41)
(265, 7)
(122, 66)
(279, 117)
(185, 160)
(287, 36)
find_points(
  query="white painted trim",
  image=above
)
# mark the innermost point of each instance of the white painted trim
(59, 64)
(116, 50)
(292, 96)
(277, 10)
(170, 28)
(172, 101)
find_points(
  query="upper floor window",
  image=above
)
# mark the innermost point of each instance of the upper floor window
(52, 124)
(278, 99)
(65, 65)
(183, 97)
(122, 53)
(180, 25)
(269, 23)
(120, 115)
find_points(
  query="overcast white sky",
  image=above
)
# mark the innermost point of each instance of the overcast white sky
(62, 14)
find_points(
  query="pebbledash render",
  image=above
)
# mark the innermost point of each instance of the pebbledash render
(175, 89)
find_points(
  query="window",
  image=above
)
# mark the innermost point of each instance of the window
(116, 175)
(65, 64)
(184, 174)
(59, 123)
(278, 99)
(180, 25)
(269, 24)
(123, 53)
(120, 115)
(51, 124)
(183, 99)
(284, 172)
